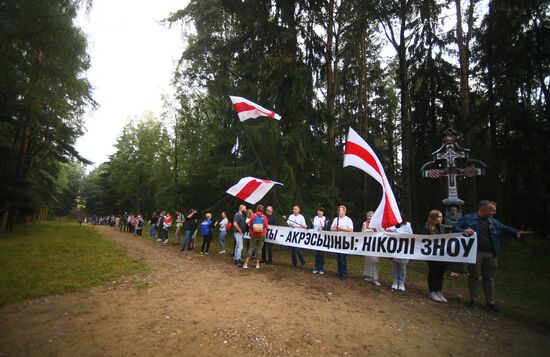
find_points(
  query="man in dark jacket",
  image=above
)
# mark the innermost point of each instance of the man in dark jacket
(489, 232)
(267, 249)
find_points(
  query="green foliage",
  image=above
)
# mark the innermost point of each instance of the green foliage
(138, 177)
(50, 258)
(43, 95)
(277, 53)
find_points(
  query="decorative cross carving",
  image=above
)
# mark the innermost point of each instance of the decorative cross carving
(451, 160)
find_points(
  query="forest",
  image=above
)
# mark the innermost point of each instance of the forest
(400, 72)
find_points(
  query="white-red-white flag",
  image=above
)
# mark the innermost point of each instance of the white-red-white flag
(251, 189)
(247, 109)
(359, 154)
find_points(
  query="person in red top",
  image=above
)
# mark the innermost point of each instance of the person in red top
(258, 228)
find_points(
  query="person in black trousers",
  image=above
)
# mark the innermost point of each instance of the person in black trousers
(267, 248)
(436, 270)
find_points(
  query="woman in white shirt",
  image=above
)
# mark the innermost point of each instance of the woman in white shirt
(399, 266)
(371, 263)
(223, 231)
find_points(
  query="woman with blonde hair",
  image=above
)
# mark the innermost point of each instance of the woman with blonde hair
(206, 230)
(436, 270)
(371, 263)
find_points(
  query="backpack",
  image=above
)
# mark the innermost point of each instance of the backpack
(228, 226)
(258, 224)
(205, 227)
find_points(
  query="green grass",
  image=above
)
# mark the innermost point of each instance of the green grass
(53, 257)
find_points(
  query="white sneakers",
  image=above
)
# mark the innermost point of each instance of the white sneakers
(166, 241)
(375, 282)
(245, 266)
(315, 271)
(398, 286)
(222, 252)
(437, 296)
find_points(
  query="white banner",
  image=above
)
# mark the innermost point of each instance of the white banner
(454, 247)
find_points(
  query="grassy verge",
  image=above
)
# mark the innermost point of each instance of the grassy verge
(54, 257)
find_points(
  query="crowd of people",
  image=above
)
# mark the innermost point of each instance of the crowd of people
(249, 228)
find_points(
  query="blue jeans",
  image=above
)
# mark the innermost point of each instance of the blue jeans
(297, 252)
(222, 239)
(152, 231)
(342, 265)
(238, 245)
(319, 261)
(399, 272)
(186, 244)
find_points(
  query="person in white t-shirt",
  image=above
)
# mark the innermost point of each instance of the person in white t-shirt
(371, 263)
(342, 223)
(399, 266)
(296, 220)
(223, 231)
(320, 222)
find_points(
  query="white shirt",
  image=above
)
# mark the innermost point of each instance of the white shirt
(367, 228)
(223, 224)
(319, 222)
(342, 222)
(296, 221)
(405, 228)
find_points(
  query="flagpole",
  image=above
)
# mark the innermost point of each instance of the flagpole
(259, 161)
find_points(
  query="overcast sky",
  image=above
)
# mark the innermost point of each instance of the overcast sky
(132, 61)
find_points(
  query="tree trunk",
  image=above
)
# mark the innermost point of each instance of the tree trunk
(465, 107)
(331, 96)
(464, 64)
(363, 106)
(406, 130)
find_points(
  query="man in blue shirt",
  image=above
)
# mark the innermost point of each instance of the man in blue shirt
(489, 231)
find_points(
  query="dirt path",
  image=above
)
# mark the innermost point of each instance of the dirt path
(193, 305)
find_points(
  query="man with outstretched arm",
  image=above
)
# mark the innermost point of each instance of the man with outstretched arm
(489, 231)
